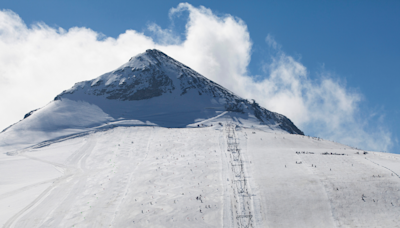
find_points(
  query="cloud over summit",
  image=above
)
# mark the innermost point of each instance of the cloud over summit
(37, 62)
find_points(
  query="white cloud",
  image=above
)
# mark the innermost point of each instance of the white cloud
(272, 43)
(37, 62)
(163, 36)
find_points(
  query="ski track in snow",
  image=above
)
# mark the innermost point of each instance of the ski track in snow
(129, 180)
(194, 177)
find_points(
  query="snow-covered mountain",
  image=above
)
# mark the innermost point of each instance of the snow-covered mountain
(155, 144)
(150, 89)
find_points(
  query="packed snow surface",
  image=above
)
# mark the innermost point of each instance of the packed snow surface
(220, 176)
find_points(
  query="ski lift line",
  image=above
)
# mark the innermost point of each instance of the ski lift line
(239, 186)
(243, 222)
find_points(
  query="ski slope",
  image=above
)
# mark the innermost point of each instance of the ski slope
(219, 176)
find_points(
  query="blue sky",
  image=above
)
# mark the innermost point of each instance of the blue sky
(354, 44)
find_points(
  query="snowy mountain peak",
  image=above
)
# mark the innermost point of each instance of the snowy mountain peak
(151, 56)
(150, 89)
(149, 75)
(153, 74)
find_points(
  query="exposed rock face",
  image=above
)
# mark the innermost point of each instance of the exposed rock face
(29, 113)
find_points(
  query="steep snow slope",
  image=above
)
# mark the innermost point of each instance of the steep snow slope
(151, 89)
(198, 177)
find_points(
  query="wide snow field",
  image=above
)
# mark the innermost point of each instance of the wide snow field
(188, 177)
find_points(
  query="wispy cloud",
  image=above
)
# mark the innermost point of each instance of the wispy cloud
(163, 36)
(325, 107)
(272, 43)
(37, 62)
